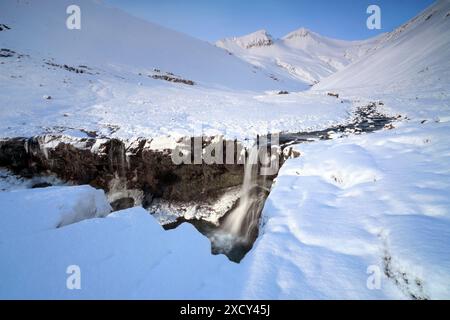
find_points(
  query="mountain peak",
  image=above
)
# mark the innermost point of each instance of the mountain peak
(260, 38)
(299, 33)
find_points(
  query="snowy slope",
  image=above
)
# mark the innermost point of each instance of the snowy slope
(53, 207)
(129, 106)
(111, 38)
(350, 207)
(413, 57)
(125, 255)
(301, 55)
(116, 94)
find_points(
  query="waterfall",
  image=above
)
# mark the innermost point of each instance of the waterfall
(242, 221)
(239, 229)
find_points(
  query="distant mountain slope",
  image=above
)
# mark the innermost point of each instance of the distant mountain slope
(301, 55)
(112, 38)
(414, 56)
(123, 77)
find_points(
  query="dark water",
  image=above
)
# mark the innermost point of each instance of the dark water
(365, 120)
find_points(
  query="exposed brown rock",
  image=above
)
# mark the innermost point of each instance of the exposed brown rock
(142, 168)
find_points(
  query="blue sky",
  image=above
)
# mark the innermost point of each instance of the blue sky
(215, 19)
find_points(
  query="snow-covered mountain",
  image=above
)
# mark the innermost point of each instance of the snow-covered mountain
(259, 38)
(301, 55)
(111, 38)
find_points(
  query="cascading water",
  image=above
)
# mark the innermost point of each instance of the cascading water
(239, 228)
(239, 222)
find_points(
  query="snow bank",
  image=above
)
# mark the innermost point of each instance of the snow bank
(125, 255)
(321, 236)
(353, 166)
(31, 211)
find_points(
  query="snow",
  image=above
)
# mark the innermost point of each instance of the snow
(258, 38)
(346, 206)
(410, 62)
(127, 254)
(120, 108)
(371, 200)
(31, 211)
(299, 59)
(333, 212)
(116, 96)
(319, 235)
(167, 212)
(9, 181)
(104, 42)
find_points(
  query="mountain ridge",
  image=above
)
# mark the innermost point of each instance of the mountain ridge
(301, 55)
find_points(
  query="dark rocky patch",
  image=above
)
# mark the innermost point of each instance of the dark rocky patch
(4, 27)
(112, 128)
(80, 69)
(171, 78)
(122, 204)
(89, 133)
(6, 53)
(332, 94)
(367, 119)
(41, 185)
(411, 286)
(141, 168)
(260, 43)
